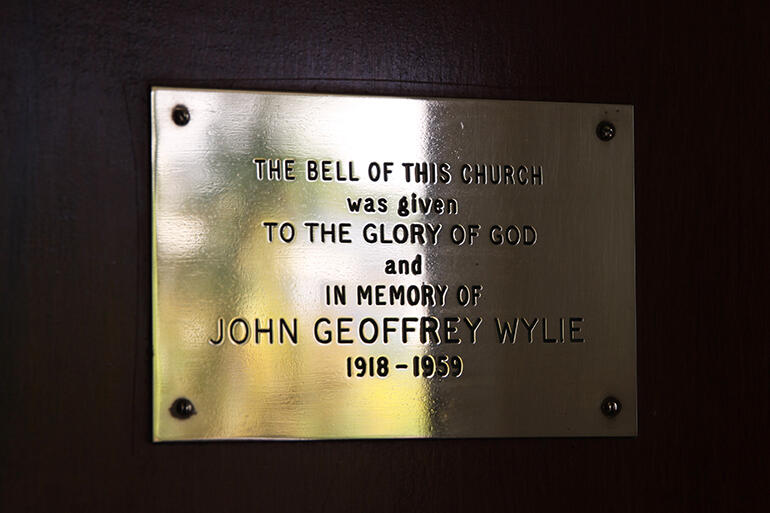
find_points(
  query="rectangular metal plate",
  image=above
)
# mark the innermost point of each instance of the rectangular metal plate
(329, 266)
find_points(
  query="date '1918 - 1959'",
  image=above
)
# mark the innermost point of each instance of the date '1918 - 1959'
(427, 366)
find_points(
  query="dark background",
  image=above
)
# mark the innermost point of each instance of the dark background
(75, 361)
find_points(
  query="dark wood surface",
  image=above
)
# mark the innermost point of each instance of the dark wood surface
(75, 350)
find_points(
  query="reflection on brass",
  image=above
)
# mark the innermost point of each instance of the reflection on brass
(369, 267)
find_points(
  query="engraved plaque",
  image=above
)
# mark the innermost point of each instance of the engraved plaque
(329, 266)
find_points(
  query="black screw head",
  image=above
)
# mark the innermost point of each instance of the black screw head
(605, 130)
(182, 408)
(181, 115)
(611, 406)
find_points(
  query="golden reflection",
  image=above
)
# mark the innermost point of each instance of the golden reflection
(217, 278)
(213, 261)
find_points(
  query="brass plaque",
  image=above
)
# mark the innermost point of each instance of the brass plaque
(330, 266)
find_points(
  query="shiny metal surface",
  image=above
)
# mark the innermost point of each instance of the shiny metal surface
(215, 272)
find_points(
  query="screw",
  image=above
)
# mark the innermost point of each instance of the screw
(182, 408)
(605, 130)
(611, 406)
(180, 115)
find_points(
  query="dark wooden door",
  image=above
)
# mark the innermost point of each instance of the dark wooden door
(75, 351)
